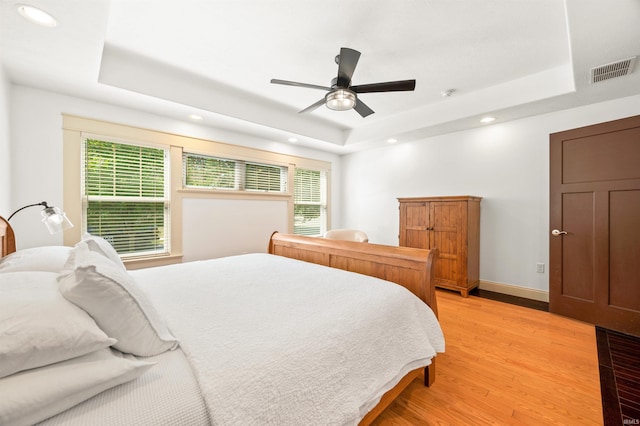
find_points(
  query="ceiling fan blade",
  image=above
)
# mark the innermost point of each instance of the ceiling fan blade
(347, 65)
(312, 107)
(362, 108)
(389, 86)
(294, 83)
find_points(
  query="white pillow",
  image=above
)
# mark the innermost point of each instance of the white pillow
(110, 295)
(102, 246)
(34, 395)
(47, 258)
(38, 326)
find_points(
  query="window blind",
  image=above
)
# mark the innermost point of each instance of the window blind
(310, 202)
(200, 171)
(208, 172)
(125, 194)
(265, 178)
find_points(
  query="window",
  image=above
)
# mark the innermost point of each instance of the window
(140, 189)
(201, 171)
(265, 178)
(310, 202)
(208, 172)
(125, 196)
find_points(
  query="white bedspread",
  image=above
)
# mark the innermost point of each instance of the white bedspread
(274, 341)
(166, 395)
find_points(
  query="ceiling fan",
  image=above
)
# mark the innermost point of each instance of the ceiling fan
(342, 95)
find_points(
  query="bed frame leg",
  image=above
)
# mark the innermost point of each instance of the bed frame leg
(430, 373)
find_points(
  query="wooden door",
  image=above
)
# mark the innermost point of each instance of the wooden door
(594, 252)
(446, 222)
(413, 227)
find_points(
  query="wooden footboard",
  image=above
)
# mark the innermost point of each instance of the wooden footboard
(409, 267)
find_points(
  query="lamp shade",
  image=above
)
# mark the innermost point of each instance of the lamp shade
(55, 220)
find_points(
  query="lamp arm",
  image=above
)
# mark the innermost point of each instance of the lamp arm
(42, 203)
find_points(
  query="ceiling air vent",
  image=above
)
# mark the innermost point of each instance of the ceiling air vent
(612, 70)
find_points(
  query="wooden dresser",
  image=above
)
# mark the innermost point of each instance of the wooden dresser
(452, 225)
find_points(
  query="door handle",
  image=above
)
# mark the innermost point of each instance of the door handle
(557, 233)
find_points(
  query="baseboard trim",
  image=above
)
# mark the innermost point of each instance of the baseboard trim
(513, 290)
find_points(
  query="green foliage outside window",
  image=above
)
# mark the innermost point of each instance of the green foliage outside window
(263, 177)
(113, 169)
(309, 208)
(209, 172)
(129, 227)
(219, 173)
(124, 187)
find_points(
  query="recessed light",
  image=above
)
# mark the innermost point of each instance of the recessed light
(486, 120)
(195, 117)
(293, 140)
(392, 140)
(37, 16)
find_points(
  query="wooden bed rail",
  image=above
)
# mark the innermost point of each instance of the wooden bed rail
(410, 267)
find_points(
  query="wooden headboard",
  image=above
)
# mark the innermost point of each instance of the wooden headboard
(7, 238)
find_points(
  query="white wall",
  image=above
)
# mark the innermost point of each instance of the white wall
(219, 238)
(36, 155)
(506, 163)
(5, 148)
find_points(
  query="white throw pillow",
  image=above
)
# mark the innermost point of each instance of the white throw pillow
(102, 246)
(47, 258)
(110, 295)
(38, 326)
(34, 395)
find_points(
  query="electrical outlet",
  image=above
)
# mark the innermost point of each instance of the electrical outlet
(540, 268)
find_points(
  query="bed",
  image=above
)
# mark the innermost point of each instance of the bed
(313, 332)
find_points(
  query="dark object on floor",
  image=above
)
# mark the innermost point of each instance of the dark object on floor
(514, 300)
(619, 364)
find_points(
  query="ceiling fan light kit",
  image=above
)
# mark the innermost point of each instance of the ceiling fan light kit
(340, 100)
(342, 95)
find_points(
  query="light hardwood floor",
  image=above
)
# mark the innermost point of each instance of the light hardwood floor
(505, 365)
